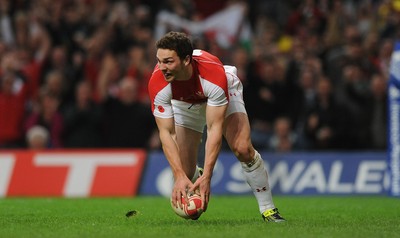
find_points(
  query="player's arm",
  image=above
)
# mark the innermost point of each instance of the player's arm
(166, 127)
(215, 116)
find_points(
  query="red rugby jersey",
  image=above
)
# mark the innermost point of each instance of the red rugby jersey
(207, 84)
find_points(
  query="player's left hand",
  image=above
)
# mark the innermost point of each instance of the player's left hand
(203, 183)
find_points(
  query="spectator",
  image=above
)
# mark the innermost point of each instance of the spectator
(306, 16)
(37, 138)
(384, 56)
(46, 114)
(59, 69)
(54, 81)
(83, 120)
(128, 122)
(327, 123)
(260, 97)
(304, 94)
(6, 30)
(107, 82)
(376, 113)
(283, 139)
(354, 86)
(240, 58)
(139, 69)
(32, 46)
(95, 47)
(13, 99)
(351, 52)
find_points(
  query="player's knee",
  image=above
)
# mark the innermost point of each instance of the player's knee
(241, 149)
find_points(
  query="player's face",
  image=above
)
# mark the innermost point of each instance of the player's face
(171, 65)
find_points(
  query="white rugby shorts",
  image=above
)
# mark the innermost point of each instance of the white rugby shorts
(193, 116)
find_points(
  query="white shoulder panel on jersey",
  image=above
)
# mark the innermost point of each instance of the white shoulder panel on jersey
(162, 103)
(215, 94)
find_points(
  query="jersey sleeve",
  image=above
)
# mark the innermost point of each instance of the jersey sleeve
(213, 78)
(216, 94)
(160, 95)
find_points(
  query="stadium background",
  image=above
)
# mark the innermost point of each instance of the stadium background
(74, 113)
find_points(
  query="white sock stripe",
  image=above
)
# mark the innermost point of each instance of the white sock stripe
(254, 164)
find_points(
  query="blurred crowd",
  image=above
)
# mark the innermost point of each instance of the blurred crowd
(74, 73)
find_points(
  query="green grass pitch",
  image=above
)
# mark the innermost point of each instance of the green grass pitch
(227, 216)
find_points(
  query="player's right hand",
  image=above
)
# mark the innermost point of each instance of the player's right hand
(181, 187)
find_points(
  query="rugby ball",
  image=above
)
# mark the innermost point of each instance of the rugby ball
(191, 210)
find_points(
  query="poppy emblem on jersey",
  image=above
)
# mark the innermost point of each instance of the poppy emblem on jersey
(161, 109)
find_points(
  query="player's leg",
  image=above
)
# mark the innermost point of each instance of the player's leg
(188, 141)
(189, 125)
(237, 134)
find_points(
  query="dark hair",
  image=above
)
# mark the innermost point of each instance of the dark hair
(178, 42)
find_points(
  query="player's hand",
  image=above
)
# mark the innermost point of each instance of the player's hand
(203, 183)
(181, 187)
